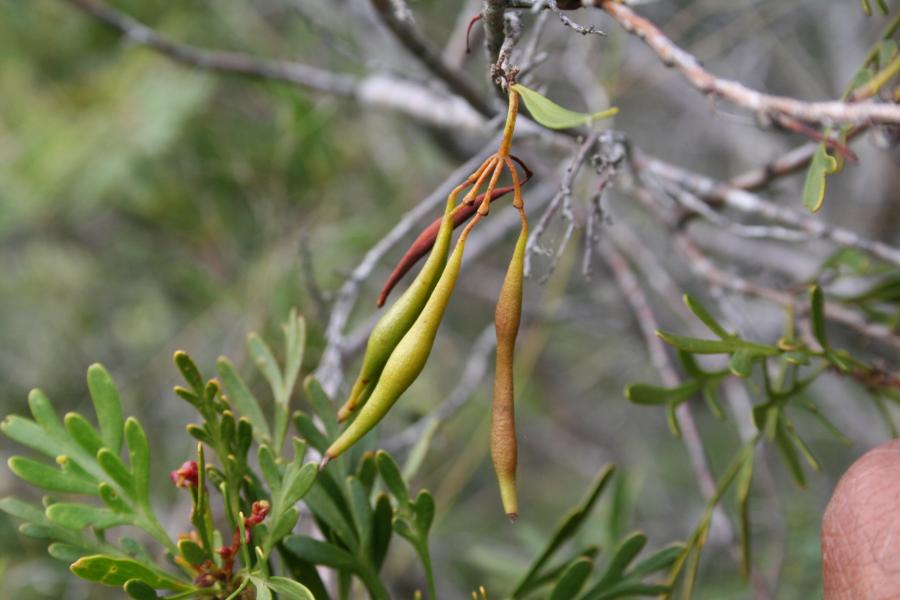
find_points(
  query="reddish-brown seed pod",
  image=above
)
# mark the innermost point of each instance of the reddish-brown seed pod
(504, 452)
(422, 244)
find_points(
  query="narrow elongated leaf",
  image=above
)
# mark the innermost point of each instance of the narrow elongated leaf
(321, 406)
(361, 509)
(116, 469)
(658, 561)
(190, 372)
(79, 516)
(244, 400)
(704, 315)
(572, 579)
(565, 530)
(105, 396)
(269, 468)
(45, 415)
(117, 571)
(298, 484)
(424, 508)
(790, 455)
(262, 589)
(51, 478)
(742, 495)
(294, 344)
(381, 529)
(552, 115)
(288, 589)
(308, 430)
(817, 315)
(626, 552)
(83, 433)
(112, 499)
(285, 524)
(703, 346)
(390, 473)
(741, 362)
(139, 456)
(641, 393)
(30, 434)
(320, 553)
(139, 590)
(265, 362)
(66, 552)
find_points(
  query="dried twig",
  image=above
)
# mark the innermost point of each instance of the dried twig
(823, 113)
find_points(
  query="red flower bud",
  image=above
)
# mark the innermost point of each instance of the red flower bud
(186, 476)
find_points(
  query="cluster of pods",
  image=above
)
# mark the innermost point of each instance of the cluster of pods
(401, 341)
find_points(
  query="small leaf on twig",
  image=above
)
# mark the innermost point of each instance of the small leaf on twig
(552, 115)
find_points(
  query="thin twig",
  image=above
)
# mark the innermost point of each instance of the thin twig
(749, 203)
(824, 113)
(552, 5)
(396, 16)
(565, 189)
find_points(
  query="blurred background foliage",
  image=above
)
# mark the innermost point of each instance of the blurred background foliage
(146, 207)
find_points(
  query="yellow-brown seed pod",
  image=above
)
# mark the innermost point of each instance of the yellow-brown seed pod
(504, 452)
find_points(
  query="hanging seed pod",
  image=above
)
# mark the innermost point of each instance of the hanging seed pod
(391, 328)
(504, 452)
(406, 361)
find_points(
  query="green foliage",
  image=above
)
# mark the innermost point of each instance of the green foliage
(552, 115)
(796, 364)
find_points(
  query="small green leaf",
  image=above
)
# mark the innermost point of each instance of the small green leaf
(658, 561)
(45, 415)
(139, 456)
(742, 494)
(288, 589)
(551, 115)
(50, 478)
(361, 509)
(190, 372)
(567, 528)
(322, 406)
(285, 524)
(30, 434)
(390, 473)
(116, 469)
(269, 468)
(572, 579)
(625, 554)
(83, 433)
(66, 552)
(704, 315)
(641, 393)
(817, 315)
(790, 456)
(139, 590)
(308, 430)
(262, 590)
(112, 499)
(704, 346)
(294, 344)
(295, 486)
(424, 509)
(265, 362)
(821, 165)
(105, 396)
(79, 516)
(117, 571)
(192, 552)
(244, 400)
(741, 362)
(381, 529)
(320, 553)
(711, 396)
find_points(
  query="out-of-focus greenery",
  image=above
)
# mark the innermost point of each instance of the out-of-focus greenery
(145, 206)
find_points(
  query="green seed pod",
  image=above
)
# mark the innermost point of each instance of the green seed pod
(406, 361)
(504, 452)
(391, 328)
